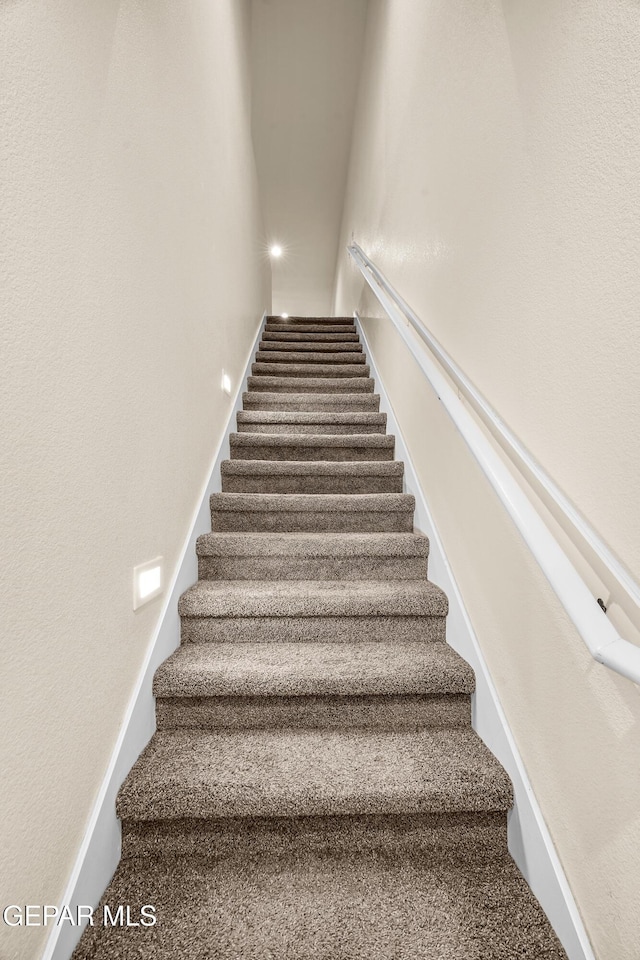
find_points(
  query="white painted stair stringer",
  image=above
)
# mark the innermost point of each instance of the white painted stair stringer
(530, 843)
(100, 849)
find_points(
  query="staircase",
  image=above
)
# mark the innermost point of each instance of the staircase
(314, 790)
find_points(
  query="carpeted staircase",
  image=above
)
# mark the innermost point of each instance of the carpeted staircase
(314, 790)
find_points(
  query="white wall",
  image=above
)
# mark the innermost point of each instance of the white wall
(495, 179)
(305, 63)
(132, 273)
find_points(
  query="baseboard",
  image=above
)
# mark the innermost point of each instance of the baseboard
(99, 852)
(530, 843)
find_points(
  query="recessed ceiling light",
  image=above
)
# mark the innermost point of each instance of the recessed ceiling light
(276, 250)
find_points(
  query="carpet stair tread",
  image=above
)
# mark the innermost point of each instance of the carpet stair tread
(333, 468)
(313, 598)
(326, 503)
(289, 773)
(312, 476)
(307, 369)
(311, 446)
(313, 545)
(320, 418)
(312, 556)
(311, 402)
(308, 356)
(312, 512)
(304, 322)
(316, 440)
(308, 339)
(310, 384)
(313, 669)
(284, 326)
(327, 904)
(302, 345)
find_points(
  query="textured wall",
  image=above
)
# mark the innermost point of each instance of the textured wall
(495, 179)
(305, 58)
(131, 274)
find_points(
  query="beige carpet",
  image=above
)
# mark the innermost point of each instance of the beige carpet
(314, 790)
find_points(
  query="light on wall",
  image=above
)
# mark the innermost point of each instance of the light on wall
(275, 250)
(147, 582)
(225, 383)
(284, 316)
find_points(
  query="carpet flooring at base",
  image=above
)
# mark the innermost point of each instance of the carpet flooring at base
(345, 906)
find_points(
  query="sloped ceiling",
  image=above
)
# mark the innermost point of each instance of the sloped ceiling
(306, 57)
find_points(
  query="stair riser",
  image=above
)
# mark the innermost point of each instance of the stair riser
(480, 835)
(312, 429)
(314, 629)
(312, 568)
(331, 385)
(309, 349)
(309, 356)
(306, 521)
(392, 713)
(324, 420)
(298, 321)
(307, 369)
(304, 329)
(328, 452)
(277, 336)
(345, 403)
(300, 484)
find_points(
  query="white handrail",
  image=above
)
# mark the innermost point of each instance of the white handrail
(600, 636)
